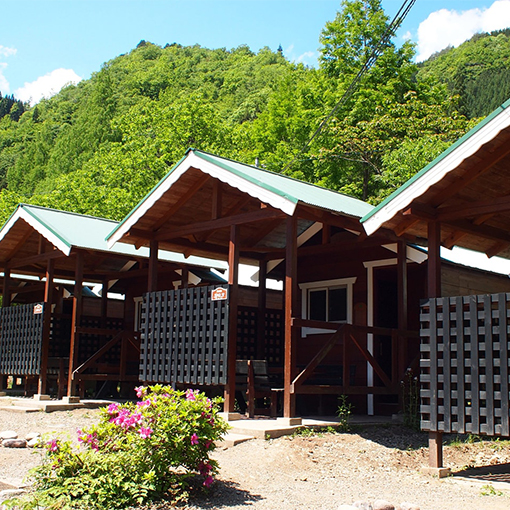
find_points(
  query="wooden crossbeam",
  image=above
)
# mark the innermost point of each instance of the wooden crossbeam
(35, 259)
(204, 226)
(490, 206)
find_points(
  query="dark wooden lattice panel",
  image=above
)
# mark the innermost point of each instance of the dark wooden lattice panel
(21, 330)
(274, 338)
(184, 337)
(60, 336)
(90, 344)
(465, 364)
(247, 322)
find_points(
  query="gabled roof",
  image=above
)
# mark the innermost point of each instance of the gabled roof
(67, 230)
(278, 191)
(451, 161)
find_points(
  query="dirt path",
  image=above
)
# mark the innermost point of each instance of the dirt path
(316, 472)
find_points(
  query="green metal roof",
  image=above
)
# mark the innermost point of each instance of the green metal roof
(439, 158)
(67, 230)
(279, 190)
(292, 189)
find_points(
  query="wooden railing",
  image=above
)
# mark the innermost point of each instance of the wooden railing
(350, 336)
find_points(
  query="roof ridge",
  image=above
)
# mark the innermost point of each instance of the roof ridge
(276, 173)
(41, 207)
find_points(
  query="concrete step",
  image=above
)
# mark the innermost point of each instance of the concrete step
(20, 409)
(233, 439)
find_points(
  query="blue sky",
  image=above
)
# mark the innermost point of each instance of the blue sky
(50, 42)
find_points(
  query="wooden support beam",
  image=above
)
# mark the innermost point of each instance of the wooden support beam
(216, 200)
(469, 176)
(289, 398)
(20, 244)
(45, 345)
(495, 205)
(152, 285)
(233, 281)
(405, 225)
(312, 214)
(205, 226)
(75, 323)
(433, 291)
(261, 311)
(35, 259)
(401, 344)
(497, 248)
(6, 292)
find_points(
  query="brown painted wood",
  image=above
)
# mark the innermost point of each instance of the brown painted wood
(261, 311)
(153, 267)
(20, 244)
(180, 203)
(6, 292)
(216, 200)
(401, 344)
(434, 260)
(436, 449)
(233, 280)
(35, 259)
(45, 345)
(312, 214)
(491, 206)
(289, 398)
(204, 226)
(75, 323)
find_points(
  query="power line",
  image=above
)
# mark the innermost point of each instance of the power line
(376, 52)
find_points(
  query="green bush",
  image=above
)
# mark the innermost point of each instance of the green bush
(137, 453)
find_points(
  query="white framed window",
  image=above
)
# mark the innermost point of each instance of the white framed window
(327, 300)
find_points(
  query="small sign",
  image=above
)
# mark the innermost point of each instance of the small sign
(38, 309)
(219, 294)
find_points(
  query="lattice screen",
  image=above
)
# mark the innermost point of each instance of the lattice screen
(184, 337)
(21, 329)
(465, 364)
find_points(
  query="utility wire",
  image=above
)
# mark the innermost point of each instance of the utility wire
(376, 52)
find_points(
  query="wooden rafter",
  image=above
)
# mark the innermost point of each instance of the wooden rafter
(262, 232)
(184, 198)
(205, 226)
(35, 259)
(471, 209)
(316, 215)
(469, 176)
(19, 244)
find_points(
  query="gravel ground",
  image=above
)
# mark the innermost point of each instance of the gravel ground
(310, 472)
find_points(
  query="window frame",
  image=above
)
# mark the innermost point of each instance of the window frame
(347, 283)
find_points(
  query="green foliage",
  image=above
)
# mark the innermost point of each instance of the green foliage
(411, 400)
(98, 147)
(138, 453)
(344, 412)
(477, 71)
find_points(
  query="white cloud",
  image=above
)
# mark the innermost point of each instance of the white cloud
(47, 85)
(7, 52)
(4, 84)
(450, 27)
(308, 58)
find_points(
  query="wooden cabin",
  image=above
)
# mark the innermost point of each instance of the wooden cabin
(54, 331)
(461, 199)
(350, 307)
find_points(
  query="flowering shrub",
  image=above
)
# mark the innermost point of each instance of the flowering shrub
(137, 453)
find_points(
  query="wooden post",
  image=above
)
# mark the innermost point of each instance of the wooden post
(261, 311)
(184, 277)
(48, 300)
(402, 308)
(153, 266)
(75, 324)
(434, 290)
(104, 303)
(6, 294)
(233, 277)
(289, 399)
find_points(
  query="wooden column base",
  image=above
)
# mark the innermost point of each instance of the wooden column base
(435, 449)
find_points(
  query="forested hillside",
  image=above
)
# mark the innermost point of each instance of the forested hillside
(99, 146)
(478, 71)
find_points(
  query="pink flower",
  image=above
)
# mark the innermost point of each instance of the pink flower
(53, 445)
(191, 394)
(208, 481)
(145, 432)
(113, 409)
(194, 439)
(140, 391)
